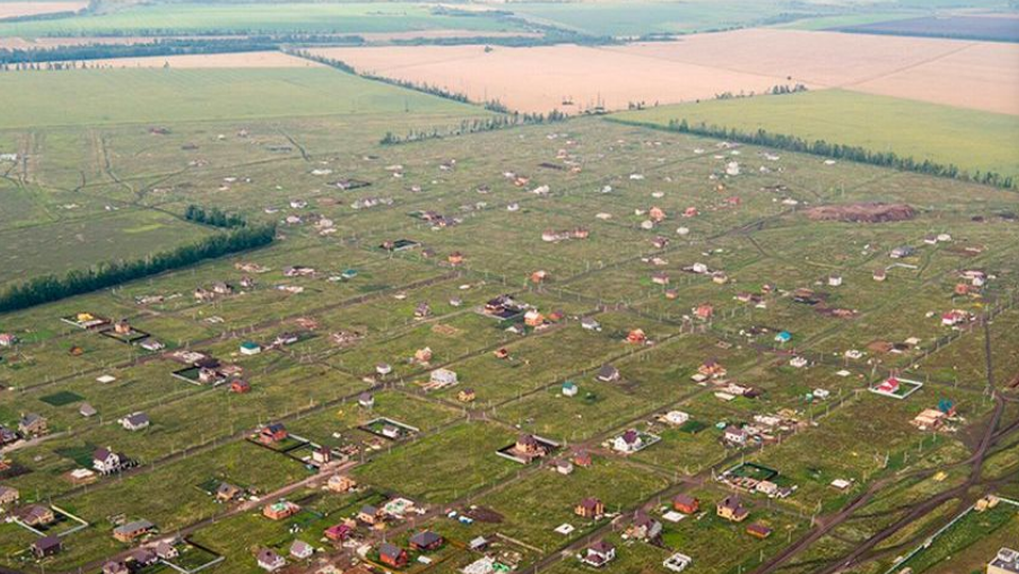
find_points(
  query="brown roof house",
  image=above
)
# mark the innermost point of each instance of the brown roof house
(730, 508)
(590, 508)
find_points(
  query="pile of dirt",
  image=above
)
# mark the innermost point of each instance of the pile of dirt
(867, 212)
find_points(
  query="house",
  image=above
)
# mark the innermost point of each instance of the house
(141, 557)
(533, 318)
(880, 275)
(341, 483)
(711, 368)
(269, 561)
(8, 436)
(758, 530)
(889, 386)
(250, 348)
(423, 310)
(426, 540)
(466, 396)
(636, 337)
(392, 555)
(686, 504)
(321, 455)
(8, 495)
(704, 311)
(165, 550)
(564, 467)
(133, 530)
(599, 554)
(443, 377)
(590, 508)
(33, 425)
(280, 510)
(46, 546)
(301, 550)
(455, 258)
(240, 387)
(735, 435)
(834, 280)
(383, 369)
(226, 492)
(570, 389)
(582, 459)
(590, 324)
(660, 278)
(731, 509)
(135, 421)
(115, 567)
(930, 419)
(272, 433)
(86, 410)
(643, 527)
(105, 461)
(339, 532)
(629, 441)
(1005, 562)
(366, 400)
(369, 514)
(608, 374)
(36, 515)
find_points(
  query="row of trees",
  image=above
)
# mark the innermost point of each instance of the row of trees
(162, 47)
(475, 126)
(51, 288)
(214, 217)
(841, 151)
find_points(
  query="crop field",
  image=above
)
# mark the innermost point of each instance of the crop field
(22, 9)
(983, 27)
(199, 18)
(923, 131)
(698, 67)
(337, 334)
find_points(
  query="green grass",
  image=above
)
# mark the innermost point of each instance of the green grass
(970, 139)
(308, 17)
(118, 96)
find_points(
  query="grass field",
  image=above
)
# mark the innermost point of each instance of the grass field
(103, 97)
(972, 140)
(225, 18)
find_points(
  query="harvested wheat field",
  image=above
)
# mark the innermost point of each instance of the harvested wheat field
(208, 61)
(18, 9)
(541, 79)
(976, 75)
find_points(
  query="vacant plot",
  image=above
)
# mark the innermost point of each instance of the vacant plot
(20, 9)
(973, 140)
(966, 74)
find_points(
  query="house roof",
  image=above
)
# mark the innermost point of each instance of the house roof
(46, 543)
(425, 538)
(390, 550)
(267, 556)
(134, 526)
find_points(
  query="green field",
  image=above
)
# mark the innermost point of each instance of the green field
(103, 97)
(226, 18)
(970, 139)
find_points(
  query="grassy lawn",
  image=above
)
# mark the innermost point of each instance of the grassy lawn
(972, 140)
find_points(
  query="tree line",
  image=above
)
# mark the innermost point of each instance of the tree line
(68, 55)
(837, 151)
(49, 288)
(476, 126)
(214, 217)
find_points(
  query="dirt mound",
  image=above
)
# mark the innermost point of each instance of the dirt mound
(862, 212)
